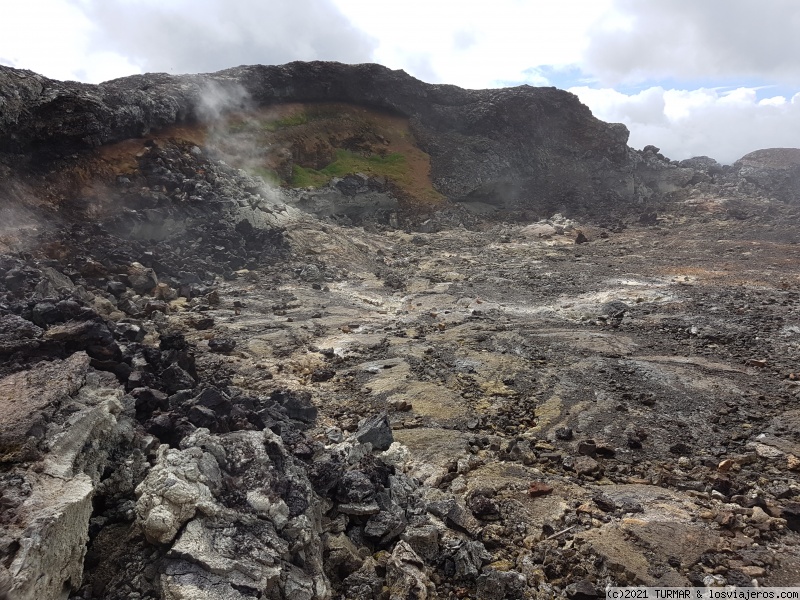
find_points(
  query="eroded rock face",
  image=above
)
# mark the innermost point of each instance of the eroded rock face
(536, 148)
(521, 152)
(30, 399)
(65, 421)
(405, 576)
(238, 511)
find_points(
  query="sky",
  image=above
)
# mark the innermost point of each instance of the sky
(719, 78)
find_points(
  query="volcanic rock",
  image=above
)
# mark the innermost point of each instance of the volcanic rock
(142, 280)
(376, 431)
(339, 239)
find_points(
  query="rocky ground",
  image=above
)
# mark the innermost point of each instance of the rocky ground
(614, 412)
(209, 393)
(318, 411)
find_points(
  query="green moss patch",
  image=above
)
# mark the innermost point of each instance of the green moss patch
(392, 166)
(305, 146)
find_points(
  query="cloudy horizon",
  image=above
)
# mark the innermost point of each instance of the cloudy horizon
(693, 78)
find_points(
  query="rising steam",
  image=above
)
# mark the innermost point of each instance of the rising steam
(220, 107)
(217, 100)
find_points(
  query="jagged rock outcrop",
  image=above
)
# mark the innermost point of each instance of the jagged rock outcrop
(62, 422)
(217, 503)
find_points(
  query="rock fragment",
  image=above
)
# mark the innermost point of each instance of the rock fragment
(221, 344)
(142, 279)
(405, 576)
(376, 431)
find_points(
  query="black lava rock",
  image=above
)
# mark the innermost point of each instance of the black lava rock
(376, 431)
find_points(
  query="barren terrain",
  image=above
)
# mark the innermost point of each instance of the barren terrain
(258, 357)
(653, 367)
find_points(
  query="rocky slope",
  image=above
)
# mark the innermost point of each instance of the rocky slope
(213, 386)
(528, 147)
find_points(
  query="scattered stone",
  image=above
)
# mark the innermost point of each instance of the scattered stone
(153, 306)
(297, 405)
(467, 556)
(564, 433)
(221, 344)
(424, 539)
(537, 488)
(164, 292)
(681, 449)
(52, 283)
(539, 230)
(725, 465)
(585, 465)
(400, 405)
(385, 526)
(202, 323)
(320, 375)
(500, 585)
(355, 486)
(172, 493)
(202, 416)
(790, 511)
(364, 509)
(147, 400)
(753, 571)
(587, 448)
(342, 555)
(604, 503)
(175, 379)
(116, 287)
(483, 507)
(581, 590)
(459, 517)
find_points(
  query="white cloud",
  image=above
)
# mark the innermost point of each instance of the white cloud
(693, 39)
(775, 101)
(191, 36)
(477, 45)
(709, 42)
(722, 124)
(96, 40)
(51, 38)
